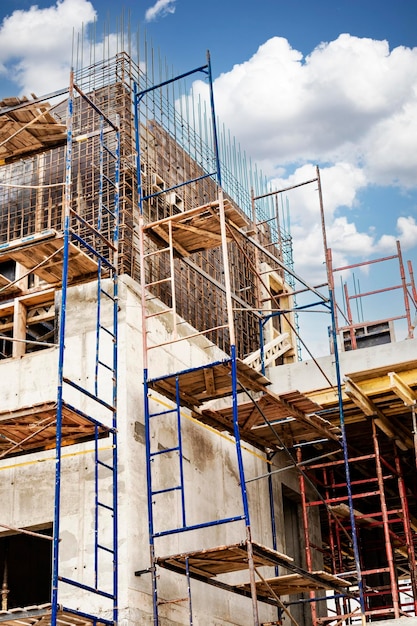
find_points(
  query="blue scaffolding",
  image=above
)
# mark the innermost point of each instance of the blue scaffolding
(97, 238)
(181, 387)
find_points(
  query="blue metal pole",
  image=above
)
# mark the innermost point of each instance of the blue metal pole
(100, 208)
(61, 354)
(236, 433)
(115, 380)
(261, 342)
(96, 499)
(150, 504)
(180, 457)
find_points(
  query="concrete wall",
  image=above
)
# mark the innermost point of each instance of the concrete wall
(306, 376)
(209, 460)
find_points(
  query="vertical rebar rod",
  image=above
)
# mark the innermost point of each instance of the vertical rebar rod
(173, 291)
(213, 121)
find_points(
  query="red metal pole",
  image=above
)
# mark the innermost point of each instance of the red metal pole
(350, 320)
(413, 284)
(330, 278)
(331, 539)
(404, 285)
(407, 528)
(385, 525)
(306, 528)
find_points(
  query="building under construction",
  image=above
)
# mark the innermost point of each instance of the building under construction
(166, 456)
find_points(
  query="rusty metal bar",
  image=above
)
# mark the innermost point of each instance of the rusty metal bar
(306, 529)
(274, 193)
(404, 287)
(350, 320)
(388, 546)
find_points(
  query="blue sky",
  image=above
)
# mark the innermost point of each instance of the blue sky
(298, 83)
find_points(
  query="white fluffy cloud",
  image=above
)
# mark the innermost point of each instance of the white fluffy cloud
(351, 106)
(161, 8)
(350, 100)
(36, 45)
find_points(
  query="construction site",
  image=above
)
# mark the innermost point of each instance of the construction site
(171, 452)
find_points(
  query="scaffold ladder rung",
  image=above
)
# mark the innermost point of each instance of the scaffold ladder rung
(158, 282)
(109, 151)
(105, 506)
(110, 368)
(108, 295)
(156, 252)
(107, 210)
(105, 548)
(165, 451)
(106, 465)
(109, 180)
(167, 412)
(167, 490)
(106, 330)
(158, 313)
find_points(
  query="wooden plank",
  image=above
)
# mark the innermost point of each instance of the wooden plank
(46, 251)
(296, 583)
(209, 381)
(196, 229)
(223, 559)
(34, 428)
(41, 616)
(7, 288)
(197, 386)
(276, 410)
(27, 130)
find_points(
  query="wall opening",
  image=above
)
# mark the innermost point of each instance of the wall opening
(26, 568)
(294, 547)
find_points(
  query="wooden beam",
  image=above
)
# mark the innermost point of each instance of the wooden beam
(198, 231)
(19, 329)
(209, 380)
(402, 389)
(371, 410)
(165, 237)
(355, 393)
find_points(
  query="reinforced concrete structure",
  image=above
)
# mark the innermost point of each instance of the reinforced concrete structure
(165, 457)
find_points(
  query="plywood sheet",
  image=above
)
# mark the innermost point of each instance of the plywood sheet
(28, 129)
(6, 286)
(214, 381)
(45, 250)
(196, 229)
(291, 416)
(34, 428)
(41, 616)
